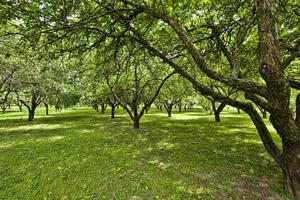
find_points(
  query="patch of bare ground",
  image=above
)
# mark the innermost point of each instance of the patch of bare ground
(254, 191)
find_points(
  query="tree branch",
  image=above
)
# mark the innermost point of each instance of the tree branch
(156, 94)
(241, 84)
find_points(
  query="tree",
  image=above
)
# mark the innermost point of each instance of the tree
(34, 101)
(273, 96)
(174, 92)
(224, 91)
(135, 82)
(179, 31)
(9, 77)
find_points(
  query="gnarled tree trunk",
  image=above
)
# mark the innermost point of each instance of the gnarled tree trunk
(169, 108)
(136, 123)
(113, 110)
(217, 111)
(278, 96)
(103, 108)
(47, 109)
(31, 114)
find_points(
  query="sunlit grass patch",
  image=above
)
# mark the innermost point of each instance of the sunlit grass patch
(80, 154)
(31, 127)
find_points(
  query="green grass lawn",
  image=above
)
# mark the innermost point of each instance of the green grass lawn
(80, 154)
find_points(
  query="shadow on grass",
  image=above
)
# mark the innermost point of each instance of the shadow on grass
(168, 157)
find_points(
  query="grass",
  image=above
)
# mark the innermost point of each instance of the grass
(80, 154)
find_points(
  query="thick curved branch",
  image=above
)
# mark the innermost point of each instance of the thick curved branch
(258, 101)
(240, 84)
(232, 55)
(156, 94)
(118, 99)
(265, 136)
(25, 104)
(206, 91)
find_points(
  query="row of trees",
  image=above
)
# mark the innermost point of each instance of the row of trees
(52, 83)
(27, 80)
(238, 53)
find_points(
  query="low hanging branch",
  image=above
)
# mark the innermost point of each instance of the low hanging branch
(263, 131)
(241, 84)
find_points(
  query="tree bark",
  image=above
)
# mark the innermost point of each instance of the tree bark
(291, 173)
(96, 107)
(217, 111)
(217, 117)
(169, 113)
(31, 113)
(113, 108)
(47, 109)
(180, 107)
(298, 111)
(276, 91)
(20, 107)
(136, 123)
(103, 108)
(3, 107)
(169, 108)
(279, 93)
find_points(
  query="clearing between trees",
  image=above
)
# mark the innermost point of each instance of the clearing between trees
(81, 154)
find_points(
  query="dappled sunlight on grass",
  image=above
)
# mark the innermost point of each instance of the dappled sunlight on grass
(6, 144)
(30, 140)
(165, 145)
(252, 141)
(187, 156)
(185, 117)
(50, 139)
(32, 127)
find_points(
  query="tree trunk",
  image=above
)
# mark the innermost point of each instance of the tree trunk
(180, 107)
(31, 114)
(20, 108)
(47, 109)
(217, 117)
(298, 111)
(169, 113)
(103, 108)
(291, 173)
(3, 108)
(96, 108)
(136, 123)
(113, 108)
(279, 93)
(239, 111)
(217, 111)
(168, 108)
